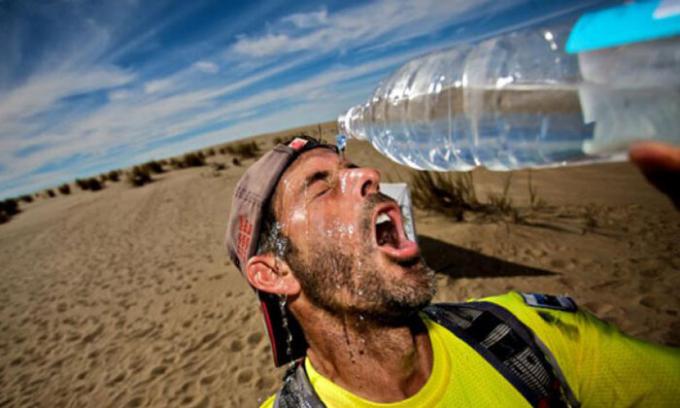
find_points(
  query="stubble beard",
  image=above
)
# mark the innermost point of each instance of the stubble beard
(343, 283)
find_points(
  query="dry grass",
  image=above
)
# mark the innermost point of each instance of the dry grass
(91, 184)
(454, 195)
(244, 150)
(114, 175)
(153, 167)
(64, 189)
(138, 176)
(8, 208)
(535, 202)
(501, 202)
(445, 193)
(193, 159)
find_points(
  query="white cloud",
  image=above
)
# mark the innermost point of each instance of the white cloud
(386, 20)
(41, 92)
(157, 85)
(263, 46)
(119, 95)
(207, 67)
(307, 20)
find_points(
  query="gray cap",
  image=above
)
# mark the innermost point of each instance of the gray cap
(249, 205)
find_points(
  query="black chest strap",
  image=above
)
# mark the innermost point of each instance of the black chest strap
(493, 332)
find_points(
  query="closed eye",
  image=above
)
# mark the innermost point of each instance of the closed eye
(318, 178)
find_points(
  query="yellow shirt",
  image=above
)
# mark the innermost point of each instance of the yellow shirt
(602, 366)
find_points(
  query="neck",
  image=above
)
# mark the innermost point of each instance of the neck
(376, 361)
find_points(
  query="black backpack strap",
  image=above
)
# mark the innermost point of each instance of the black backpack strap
(509, 346)
(297, 391)
(533, 341)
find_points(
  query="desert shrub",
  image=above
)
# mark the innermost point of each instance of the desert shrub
(50, 193)
(64, 189)
(235, 161)
(92, 184)
(210, 152)
(245, 150)
(114, 175)
(103, 177)
(176, 164)
(9, 207)
(138, 176)
(193, 159)
(277, 140)
(445, 193)
(218, 166)
(153, 167)
(26, 198)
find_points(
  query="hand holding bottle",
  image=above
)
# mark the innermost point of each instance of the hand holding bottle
(660, 163)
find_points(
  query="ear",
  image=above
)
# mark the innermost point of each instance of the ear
(269, 274)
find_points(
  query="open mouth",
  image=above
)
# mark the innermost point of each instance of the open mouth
(390, 236)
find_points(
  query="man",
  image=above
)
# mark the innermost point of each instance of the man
(345, 296)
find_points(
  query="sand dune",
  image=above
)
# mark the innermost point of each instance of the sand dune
(125, 297)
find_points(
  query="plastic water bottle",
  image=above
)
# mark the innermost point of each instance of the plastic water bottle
(519, 100)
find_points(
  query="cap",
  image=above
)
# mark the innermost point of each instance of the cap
(248, 207)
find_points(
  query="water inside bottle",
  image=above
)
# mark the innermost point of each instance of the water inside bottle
(459, 129)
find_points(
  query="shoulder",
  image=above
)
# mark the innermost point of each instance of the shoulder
(522, 301)
(551, 317)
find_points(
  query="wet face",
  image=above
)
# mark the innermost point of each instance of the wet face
(349, 250)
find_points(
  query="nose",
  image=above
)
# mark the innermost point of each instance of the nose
(364, 181)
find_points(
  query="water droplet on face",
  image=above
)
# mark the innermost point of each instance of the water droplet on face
(343, 183)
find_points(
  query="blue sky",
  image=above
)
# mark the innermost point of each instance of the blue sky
(90, 86)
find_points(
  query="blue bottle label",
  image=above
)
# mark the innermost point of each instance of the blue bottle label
(625, 24)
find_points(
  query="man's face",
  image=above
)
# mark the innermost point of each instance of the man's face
(349, 249)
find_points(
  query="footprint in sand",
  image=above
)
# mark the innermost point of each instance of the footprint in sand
(135, 402)
(236, 346)
(651, 302)
(254, 338)
(244, 376)
(246, 317)
(208, 379)
(157, 371)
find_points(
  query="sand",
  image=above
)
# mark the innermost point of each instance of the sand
(125, 296)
